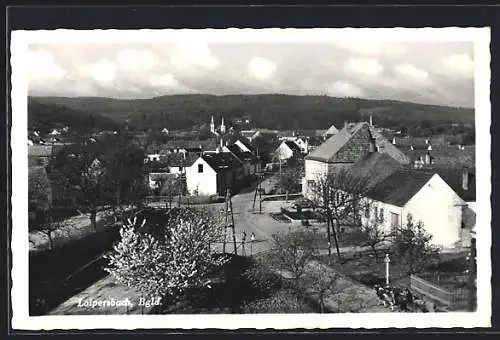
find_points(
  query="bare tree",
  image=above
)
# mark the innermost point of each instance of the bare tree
(341, 196)
(171, 187)
(373, 233)
(288, 181)
(322, 282)
(292, 252)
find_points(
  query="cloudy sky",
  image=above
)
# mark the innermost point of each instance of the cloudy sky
(431, 73)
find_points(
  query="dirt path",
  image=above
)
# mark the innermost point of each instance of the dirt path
(71, 228)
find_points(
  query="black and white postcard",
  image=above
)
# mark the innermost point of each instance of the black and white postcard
(251, 178)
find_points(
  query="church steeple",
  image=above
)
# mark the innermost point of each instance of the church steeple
(222, 126)
(212, 125)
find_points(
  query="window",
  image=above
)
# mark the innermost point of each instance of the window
(180, 168)
(375, 213)
(381, 219)
(367, 211)
(200, 168)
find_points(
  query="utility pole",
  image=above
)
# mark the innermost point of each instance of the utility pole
(387, 260)
(472, 275)
(229, 209)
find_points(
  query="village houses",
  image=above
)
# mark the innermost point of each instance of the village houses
(440, 198)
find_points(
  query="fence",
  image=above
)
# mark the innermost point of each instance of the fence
(455, 299)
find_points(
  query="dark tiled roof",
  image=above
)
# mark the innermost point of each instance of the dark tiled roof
(327, 151)
(221, 161)
(453, 177)
(400, 187)
(450, 156)
(160, 176)
(374, 168)
(247, 144)
(188, 144)
(294, 147)
(241, 155)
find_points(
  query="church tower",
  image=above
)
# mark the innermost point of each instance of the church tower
(212, 125)
(222, 126)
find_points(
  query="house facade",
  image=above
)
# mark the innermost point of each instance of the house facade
(424, 196)
(214, 173)
(347, 147)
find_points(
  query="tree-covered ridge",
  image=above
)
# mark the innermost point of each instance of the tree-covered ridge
(44, 117)
(273, 111)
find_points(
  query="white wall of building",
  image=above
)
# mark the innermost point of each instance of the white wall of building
(205, 183)
(283, 152)
(440, 209)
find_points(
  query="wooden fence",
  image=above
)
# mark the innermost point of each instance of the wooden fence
(457, 299)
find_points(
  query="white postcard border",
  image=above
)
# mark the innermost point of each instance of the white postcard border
(20, 41)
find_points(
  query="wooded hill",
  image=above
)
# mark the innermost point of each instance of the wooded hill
(46, 116)
(272, 111)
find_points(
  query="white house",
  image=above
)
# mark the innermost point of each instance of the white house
(350, 145)
(286, 150)
(153, 157)
(214, 173)
(423, 195)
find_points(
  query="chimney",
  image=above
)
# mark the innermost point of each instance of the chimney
(411, 147)
(371, 120)
(429, 148)
(393, 140)
(427, 141)
(465, 179)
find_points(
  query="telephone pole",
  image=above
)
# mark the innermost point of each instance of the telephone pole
(229, 221)
(259, 190)
(472, 275)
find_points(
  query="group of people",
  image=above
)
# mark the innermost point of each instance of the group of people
(402, 298)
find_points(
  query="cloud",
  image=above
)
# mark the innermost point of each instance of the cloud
(166, 80)
(411, 72)
(460, 65)
(344, 89)
(135, 60)
(43, 67)
(435, 73)
(261, 69)
(103, 71)
(371, 47)
(193, 56)
(363, 66)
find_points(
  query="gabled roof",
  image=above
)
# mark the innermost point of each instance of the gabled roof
(331, 131)
(398, 188)
(327, 152)
(241, 155)
(450, 156)
(247, 144)
(375, 168)
(351, 143)
(221, 161)
(453, 177)
(294, 147)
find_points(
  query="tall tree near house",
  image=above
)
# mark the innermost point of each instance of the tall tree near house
(40, 204)
(92, 186)
(171, 187)
(292, 252)
(321, 281)
(124, 163)
(176, 257)
(372, 234)
(288, 181)
(412, 246)
(341, 197)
